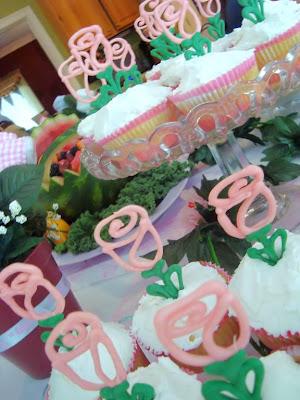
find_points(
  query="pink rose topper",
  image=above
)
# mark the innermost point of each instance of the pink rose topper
(194, 311)
(159, 16)
(84, 340)
(84, 46)
(25, 284)
(242, 192)
(117, 230)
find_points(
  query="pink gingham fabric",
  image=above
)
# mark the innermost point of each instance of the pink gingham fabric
(16, 150)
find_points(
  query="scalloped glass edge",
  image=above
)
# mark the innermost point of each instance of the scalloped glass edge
(205, 123)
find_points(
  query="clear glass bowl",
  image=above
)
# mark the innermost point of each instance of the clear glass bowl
(206, 124)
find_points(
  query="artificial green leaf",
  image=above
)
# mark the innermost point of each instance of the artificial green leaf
(254, 139)
(239, 246)
(22, 247)
(21, 183)
(280, 151)
(206, 186)
(228, 258)
(282, 126)
(278, 171)
(5, 243)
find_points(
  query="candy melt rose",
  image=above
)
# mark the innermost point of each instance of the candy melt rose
(193, 314)
(242, 192)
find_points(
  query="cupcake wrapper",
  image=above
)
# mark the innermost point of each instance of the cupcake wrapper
(278, 342)
(141, 127)
(216, 89)
(277, 48)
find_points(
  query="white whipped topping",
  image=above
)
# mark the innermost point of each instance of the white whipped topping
(123, 109)
(281, 377)
(194, 275)
(171, 71)
(62, 387)
(168, 381)
(201, 70)
(271, 295)
(280, 16)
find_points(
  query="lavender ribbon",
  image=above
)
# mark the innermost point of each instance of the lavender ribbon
(24, 327)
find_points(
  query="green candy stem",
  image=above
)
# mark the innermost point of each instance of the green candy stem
(168, 290)
(114, 84)
(51, 322)
(235, 371)
(267, 253)
(140, 391)
(164, 48)
(253, 10)
(196, 46)
(217, 27)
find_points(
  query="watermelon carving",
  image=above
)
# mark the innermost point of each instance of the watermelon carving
(50, 129)
(75, 192)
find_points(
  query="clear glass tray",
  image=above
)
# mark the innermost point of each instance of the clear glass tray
(207, 123)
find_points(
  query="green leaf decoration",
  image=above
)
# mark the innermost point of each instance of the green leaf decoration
(168, 290)
(268, 253)
(235, 371)
(278, 171)
(164, 48)
(21, 183)
(253, 10)
(196, 46)
(52, 321)
(217, 27)
(140, 391)
(114, 84)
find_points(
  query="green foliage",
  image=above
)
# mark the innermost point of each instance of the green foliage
(208, 241)
(146, 189)
(19, 183)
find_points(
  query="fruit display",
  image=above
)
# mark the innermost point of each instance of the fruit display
(66, 181)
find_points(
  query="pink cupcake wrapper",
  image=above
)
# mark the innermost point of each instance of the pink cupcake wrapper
(144, 124)
(216, 88)
(278, 47)
(277, 342)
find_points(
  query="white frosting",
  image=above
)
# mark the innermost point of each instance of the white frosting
(168, 381)
(194, 275)
(271, 295)
(280, 16)
(62, 388)
(171, 71)
(123, 109)
(201, 70)
(281, 377)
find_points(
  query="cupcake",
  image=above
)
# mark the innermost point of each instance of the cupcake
(271, 294)
(61, 387)
(194, 275)
(168, 72)
(208, 78)
(133, 114)
(271, 38)
(281, 377)
(168, 380)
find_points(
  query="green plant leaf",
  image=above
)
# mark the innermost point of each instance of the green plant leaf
(5, 243)
(278, 171)
(280, 151)
(21, 183)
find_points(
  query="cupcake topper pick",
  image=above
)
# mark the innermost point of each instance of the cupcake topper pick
(84, 48)
(118, 230)
(149, 268)
(242, 192)
(26, 283)
(75, 335)
(235, 371)
(193, 311)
